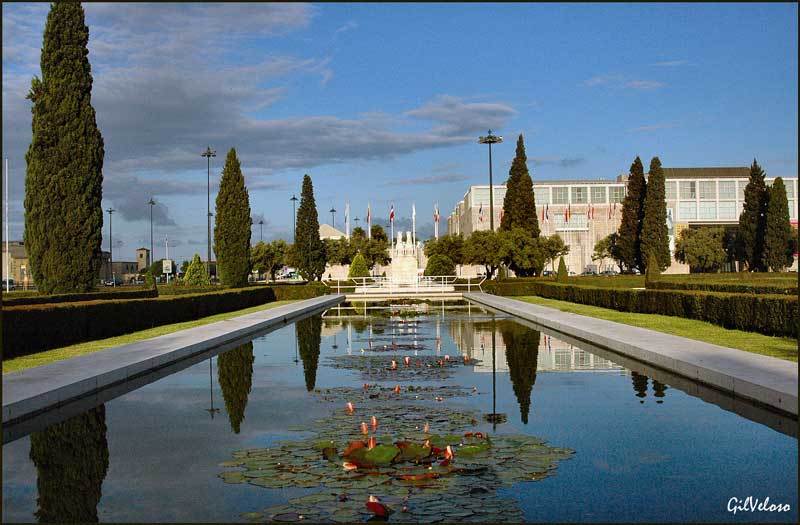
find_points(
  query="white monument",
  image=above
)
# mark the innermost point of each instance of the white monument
(403, 268)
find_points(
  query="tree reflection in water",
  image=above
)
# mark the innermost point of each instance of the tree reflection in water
(309, 338)
(235, 370)
(522, 355)
(659, 390)
(639, 385)
(71, 460)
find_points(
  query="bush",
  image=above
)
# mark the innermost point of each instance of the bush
(773, 289)
(561, 276)
(766, 314)
(196, 274)
(136, 293)
(440, 265)
(29, 329)
(358, 268)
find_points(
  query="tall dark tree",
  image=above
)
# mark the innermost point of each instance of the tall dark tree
(232, 227)
(308, 252)
(659, 391)
(778, 234)
(655, 236)
(630, 229)
(639, 385)
(309, 338)
(752, 221)
(235, 370)
(519, 205)
(71, 460)
(64, 179)
(522, 356)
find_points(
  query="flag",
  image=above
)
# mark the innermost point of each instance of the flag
(567, 214)
(501, 214)
(436, 212)
(369, 222)
(615, 210)
(391, 214)
(347, 219)
(480, 213)
(589, 213)
(609, 211)
(546, 213)
(414, 223)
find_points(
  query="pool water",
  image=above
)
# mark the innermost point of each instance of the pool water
(241, 436)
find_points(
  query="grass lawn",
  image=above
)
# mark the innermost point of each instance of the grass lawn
(781, 347)
(67, 352)
(778, 280)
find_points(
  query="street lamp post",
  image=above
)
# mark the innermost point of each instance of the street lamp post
(208, 153)
(294, 200)
(356, 221)
(152, 203)
(261, 230)
(111, 247)
(490, 139)
(333, 216)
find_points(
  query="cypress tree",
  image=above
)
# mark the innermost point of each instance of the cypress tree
(235, 372)
(655, 238)
(752, 221)
(309, 337)
(561, 275)
(196, 274)
(309, 250)
(522, 356)
(64, 179)
(519, 204)
(232, 225)
(778, 234)
(630, 229)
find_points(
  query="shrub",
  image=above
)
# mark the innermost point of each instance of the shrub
(137, 293)
(733, 287)
(766, 314)
(358, 268)
(196, 274)
(440, 265)
(561, 276)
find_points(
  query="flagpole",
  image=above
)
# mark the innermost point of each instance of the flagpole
(414, 224)
(391, 224)
(8, 254)
(369, 222)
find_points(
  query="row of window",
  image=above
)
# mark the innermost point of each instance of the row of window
(712, 190)
(579, 194)
(723, 210)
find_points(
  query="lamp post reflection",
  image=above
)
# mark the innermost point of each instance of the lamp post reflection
(211, 410)
(494, 418)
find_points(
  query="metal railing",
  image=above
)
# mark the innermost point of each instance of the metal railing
(427, 284)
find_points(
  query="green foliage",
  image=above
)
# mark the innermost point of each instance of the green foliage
(268, 258)
(235, 372)
(64, 178)
(484, 247)
(307, 254)
(112, 293)
(522, 356)
(609, 248)
(339, 251)
(703, 249)
(358, 268)
(376, 249)
(184, 266)
(553, 247)
(522, 252)
(653, 271)
(752, 221)
(449, 245)
(766, 314)
(71, 460)
(630, 229)
(561, 276)
(157, 268)
(730, 287)
(440, 265)
(309, 337)
(519, 205)
(378, 233)
(232, 225)
(778, 235)
(655, 237)
(196, 274)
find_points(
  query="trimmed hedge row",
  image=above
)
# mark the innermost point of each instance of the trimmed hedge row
(766, 314)
(138, 293)
(28, 329)
(724, 287)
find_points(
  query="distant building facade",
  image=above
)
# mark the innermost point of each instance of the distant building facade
(582, 212)
(142, 258)
(19, 269)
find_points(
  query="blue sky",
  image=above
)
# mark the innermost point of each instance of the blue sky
(384, 102)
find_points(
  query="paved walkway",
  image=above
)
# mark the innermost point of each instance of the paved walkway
(766, 380)
(28, 392)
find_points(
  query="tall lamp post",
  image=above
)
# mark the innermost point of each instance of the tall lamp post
(294, 200)
(152, 203)
(490, 139)
(261, 230)
(333, 216)
(208, 153)
(111, 247)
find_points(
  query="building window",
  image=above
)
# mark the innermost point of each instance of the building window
(617, 193)
(727, 190)
(789, 188)
(793, 209)
(671, 190)
(708, 190)
(599, 194)
(742, 186)
(580, 195)
(727, 210)
(708, 210)
(688, 189)
(542, 195)
(577, 221)
(560, 195)
(687, 210)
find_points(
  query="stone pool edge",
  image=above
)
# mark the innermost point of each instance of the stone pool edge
(31, 391)
(766, 380)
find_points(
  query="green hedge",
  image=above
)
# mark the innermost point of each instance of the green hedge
(111, 294)
(773, 289)
(287, 292)
(29, 329)
(766, 314)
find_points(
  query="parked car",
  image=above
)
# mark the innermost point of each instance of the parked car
(9, 283)
(548, 273)
(589, 272)
(113, 282)
(609, 272)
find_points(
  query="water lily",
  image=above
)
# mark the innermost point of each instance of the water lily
(376, 507)
(364, 429)
(374, 423)
(394, 365)
(447, 357)
(397, 389)
(349, 466)
(349, 407)
(407, 360)
(371, 442)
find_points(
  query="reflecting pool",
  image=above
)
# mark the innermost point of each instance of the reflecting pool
(452, 415)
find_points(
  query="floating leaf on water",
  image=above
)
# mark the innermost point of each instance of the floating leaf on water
(231, 464)
(381, 455)
(252, 516)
